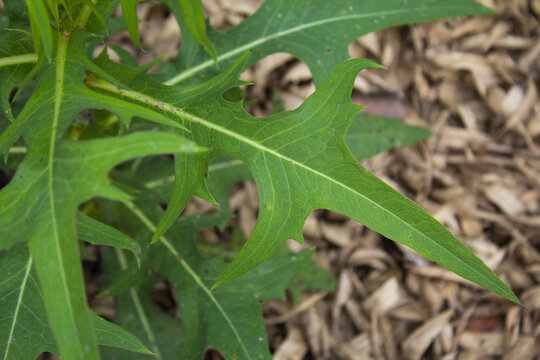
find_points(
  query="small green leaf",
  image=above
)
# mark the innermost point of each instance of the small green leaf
(41, 29)
(194, 17)
(110, 334)
(129, 10)
(311, 277)
(370, 135)
(196, 165)
(98, 233)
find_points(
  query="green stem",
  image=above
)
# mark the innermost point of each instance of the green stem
(17, 150)
(18, 59)
(83, 16)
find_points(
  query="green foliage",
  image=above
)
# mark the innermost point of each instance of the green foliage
(228, 318)
(370, 135)
(67, 119)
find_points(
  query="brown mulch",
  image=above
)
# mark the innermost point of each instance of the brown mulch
(474, 82)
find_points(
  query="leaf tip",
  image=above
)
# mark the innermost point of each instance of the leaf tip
(155, 239)
(222, 280)
(513, 298)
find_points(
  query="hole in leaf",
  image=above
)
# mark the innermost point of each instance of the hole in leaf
(280, 82)
(163, 296)
(235, 94)
(4, 180)
(47, 356)
(214, 242)
(198, 206)
(212, 354)
(223, 16)
(159, 35)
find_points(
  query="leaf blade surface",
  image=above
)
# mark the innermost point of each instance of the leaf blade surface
(317, 32)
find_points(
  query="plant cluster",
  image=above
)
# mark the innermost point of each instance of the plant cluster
(77, 134)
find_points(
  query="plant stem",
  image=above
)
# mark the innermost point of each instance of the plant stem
(18, 59)
(17, 150)
(83, 16)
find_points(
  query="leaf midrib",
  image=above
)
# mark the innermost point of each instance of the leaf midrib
(62, 50)
(18, 306)
(178, 257)
(241, 49)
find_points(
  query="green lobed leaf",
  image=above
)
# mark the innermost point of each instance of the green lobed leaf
(287, 160)
(300, 163)
(24, 327)
(318, 32)
(74, 168)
